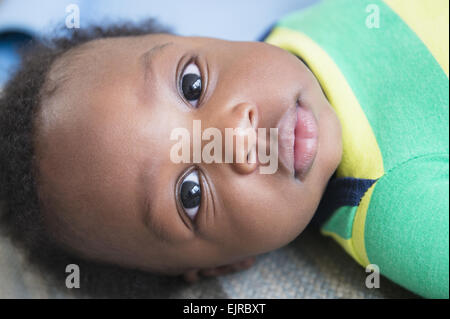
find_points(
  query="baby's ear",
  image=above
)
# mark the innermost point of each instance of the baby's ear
(194, 274)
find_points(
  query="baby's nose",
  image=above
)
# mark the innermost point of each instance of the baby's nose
(244, 118)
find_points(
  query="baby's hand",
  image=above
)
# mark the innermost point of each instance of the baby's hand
(194, 274)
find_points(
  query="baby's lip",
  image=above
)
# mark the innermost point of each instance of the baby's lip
(298, 140)
(286, 139)
(306, 141)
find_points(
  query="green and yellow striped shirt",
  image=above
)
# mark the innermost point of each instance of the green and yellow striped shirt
(383, 65)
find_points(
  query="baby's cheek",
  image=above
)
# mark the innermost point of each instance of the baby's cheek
(260, 229)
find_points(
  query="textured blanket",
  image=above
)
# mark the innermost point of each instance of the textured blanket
(312, 266)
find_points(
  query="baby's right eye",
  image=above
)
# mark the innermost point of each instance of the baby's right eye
(191, 84)
(190, 194)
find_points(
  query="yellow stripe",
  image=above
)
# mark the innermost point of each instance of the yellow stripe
(356, 130)
(429, 19)
(359, 226)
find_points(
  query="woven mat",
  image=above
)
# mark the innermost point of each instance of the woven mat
(312, 266)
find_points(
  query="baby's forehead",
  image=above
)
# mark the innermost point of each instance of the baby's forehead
(93, 59)
(83, 68)
(83, 87)
(86, 80)
(81, 61)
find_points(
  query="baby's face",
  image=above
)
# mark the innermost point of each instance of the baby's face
(111, 190)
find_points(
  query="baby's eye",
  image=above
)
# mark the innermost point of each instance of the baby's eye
(190, 194)
(191, 84)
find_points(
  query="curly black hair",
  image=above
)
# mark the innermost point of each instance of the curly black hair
(21, 219)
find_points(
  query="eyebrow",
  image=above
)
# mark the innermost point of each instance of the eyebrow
(146, 58)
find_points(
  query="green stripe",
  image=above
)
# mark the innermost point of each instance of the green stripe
(400, 86)
(341, 222)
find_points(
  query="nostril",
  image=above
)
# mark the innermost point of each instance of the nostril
(246, 115)
(251, 155)
(253, 118)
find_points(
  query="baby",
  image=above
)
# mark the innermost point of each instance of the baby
(85, 145)
(102, 113)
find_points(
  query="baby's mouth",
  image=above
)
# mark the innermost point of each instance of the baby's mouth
(306, 141)
(298, 140)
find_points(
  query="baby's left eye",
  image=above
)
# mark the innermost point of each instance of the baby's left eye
(191, 84)
(191, 194)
